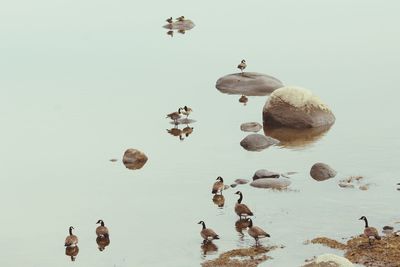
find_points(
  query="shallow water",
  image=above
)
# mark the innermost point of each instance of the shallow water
(83, 81)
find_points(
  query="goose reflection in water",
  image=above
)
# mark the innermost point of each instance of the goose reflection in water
(242, 224)
(219, 200)
(181, 133)
(209, 248)
(102, 242)
(181, 25)
(72, 252)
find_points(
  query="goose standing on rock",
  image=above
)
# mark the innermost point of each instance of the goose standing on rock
(242, 209)
(207, 234)
(71, 240)
(242, 65)
(256, 232)
(370, 232)
(175, 116)
(101, 230)
(218, 186)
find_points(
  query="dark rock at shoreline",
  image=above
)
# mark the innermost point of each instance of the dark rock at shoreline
(321, 172)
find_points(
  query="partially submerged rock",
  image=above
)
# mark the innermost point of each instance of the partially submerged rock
(250, 127)
(263, 173)
(257, 142)
(241, 181)
(180, 25)
(278, 183)
(134, 159)
(296, 107)
(248, 83)
(382, 253)
(296, 138)
(244, 257)
(321, 172)
(329, 260)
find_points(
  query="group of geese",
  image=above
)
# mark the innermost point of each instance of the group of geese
(242, 210)
(71, 241)
(175, 116)
(170, 21)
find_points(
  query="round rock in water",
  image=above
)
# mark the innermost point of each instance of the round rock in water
(250, 127)
(279, 183)
(248, 83)
(134, 159)
(265, 174)
(257, 142)
(322, 172)
(296, 107)
(241, 181)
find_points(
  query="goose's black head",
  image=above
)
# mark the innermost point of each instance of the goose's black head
(219, 178)
(363, 218)
(238, 193)
(243, 61)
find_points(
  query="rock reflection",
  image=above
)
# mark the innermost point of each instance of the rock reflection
(219, 200)
(72, 252)
(102, 242)
(209, 248)
(181, 26)
(296, 138)
(242, 224)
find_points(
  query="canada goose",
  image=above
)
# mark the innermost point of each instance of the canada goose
(256, 232)
(72, 252)
(102, 242)
(169, 20)
(219, 200)
(186, 111)
(242, 65)
(243, 99)
(170, 33)
(207, 234)
(175, 116)
(218, 186)
(242, 209)
(187, 130)
(181, 18)
(241, 224)
(182, 31)
(370, 232)
(71, 240)
(176, 132)
(101, 230)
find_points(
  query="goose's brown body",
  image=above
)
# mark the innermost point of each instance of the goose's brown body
(101, 230)
(218, 186)
(256, 232)
(242, 209)
(207, 234)
(71, 240)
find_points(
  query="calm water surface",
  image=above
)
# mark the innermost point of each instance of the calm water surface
(81, 81)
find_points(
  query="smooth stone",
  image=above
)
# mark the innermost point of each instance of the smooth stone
(113, 160)
(279, 183)
(134, 159)
(250, 127)
(257, 142)
(346, 185)
(265, 174)
(248, 83)
(233, 185)
(186, 25)
(226, 187)
(321, 172)
(241, 181)
(296, 107)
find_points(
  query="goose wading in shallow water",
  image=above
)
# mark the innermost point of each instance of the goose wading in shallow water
(242, 209)
(207, 234)
(71, 240)
(101, 230)
(242, 65)
(218, 186)
(370, 232)
(175, 116)
(256, 232)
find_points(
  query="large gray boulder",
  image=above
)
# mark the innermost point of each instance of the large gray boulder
(321, 172)
(248, 83)
(279, 183)
(134, 159)
(257, 142)
(296, 107)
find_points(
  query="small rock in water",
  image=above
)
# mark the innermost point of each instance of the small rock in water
(250, 127)
(322, 172)
(113, 160)
(364, 187)
(279, 183)
(346, 185)
(134, 159)
(233, 185)
(243, 99)
(241, 181)
(257, 142)
(226, 187)
(265, 174)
